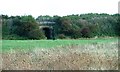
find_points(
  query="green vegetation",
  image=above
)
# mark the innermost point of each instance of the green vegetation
(24, 27)
(70, 26)
(31, 44)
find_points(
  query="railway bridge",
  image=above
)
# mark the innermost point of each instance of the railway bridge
(47, 26)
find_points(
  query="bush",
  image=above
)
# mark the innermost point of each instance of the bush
(61, 36)
(86, 33)
(36, 34)
(75, 34)
(13, 37)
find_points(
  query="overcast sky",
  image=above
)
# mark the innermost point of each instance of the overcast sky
(57, 7)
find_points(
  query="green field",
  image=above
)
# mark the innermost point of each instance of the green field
(31, 44)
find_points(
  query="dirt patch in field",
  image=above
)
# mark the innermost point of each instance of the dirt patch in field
(72, 57)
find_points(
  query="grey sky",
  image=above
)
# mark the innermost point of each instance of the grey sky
(57, 7)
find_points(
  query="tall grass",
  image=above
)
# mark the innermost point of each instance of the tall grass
(74, 55)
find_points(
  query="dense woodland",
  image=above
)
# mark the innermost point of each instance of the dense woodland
(66, 27)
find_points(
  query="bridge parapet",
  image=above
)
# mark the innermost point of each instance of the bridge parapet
(46, 23)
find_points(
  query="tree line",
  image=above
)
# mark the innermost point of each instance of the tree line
(71, 26)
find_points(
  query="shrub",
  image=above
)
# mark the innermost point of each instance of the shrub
(36, 34)
(13, 37)
(86, 32)
(61, 36)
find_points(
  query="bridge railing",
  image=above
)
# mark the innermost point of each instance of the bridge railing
(46, 23)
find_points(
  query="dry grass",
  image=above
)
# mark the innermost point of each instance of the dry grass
(73, 57)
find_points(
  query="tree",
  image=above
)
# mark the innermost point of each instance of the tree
(86, 32)
(26, 27)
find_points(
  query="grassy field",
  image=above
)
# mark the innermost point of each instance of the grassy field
(82, 54)
(31, 44)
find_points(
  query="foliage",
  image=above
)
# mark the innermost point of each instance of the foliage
(24, 26)
(61, 36)
(36, 34)
(14, 37)
(71, 26)
(89, 25)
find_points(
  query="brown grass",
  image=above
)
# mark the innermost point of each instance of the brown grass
(73, 57)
